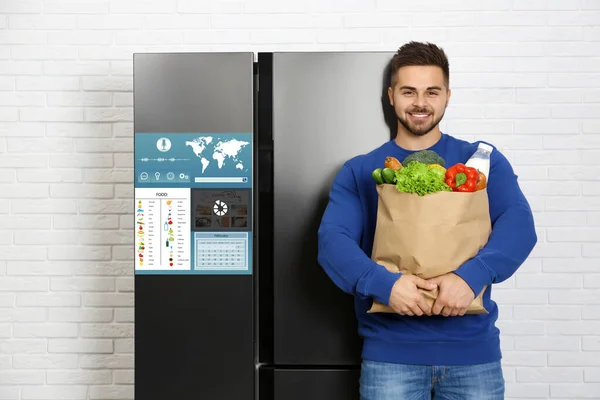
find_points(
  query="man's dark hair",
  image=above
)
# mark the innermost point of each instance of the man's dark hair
(417, 53)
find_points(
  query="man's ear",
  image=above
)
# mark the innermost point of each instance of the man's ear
(391, 95)
(448, 98)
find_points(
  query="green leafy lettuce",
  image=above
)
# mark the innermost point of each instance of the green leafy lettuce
(417, 177)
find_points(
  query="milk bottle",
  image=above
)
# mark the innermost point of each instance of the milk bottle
(480, 160)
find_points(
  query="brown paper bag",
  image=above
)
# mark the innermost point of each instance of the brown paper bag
(430, 235)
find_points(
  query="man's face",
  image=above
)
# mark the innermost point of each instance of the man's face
(420, 98)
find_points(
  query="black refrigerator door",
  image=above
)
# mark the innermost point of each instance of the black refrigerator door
(326, 108)
(194, 334)
(312, 384)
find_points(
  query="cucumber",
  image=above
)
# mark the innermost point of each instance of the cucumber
(389, 175)
(377, 176)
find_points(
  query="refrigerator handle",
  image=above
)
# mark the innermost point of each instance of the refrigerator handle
(264, 120)
(265, 167)
(264, 194)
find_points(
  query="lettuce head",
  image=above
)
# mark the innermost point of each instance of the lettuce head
(418, 177)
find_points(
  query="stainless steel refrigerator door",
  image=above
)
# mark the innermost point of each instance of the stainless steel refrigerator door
(194, 334)
(327, 108)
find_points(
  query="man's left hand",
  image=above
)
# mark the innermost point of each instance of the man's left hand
(454, 296)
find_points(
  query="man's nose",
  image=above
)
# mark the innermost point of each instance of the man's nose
(420, 101)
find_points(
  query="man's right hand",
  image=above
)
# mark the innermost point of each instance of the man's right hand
(406, 298)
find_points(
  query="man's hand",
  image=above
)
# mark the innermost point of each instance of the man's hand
(454, 297)
(406, 298)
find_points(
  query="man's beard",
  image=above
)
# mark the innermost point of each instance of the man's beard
(420, 130)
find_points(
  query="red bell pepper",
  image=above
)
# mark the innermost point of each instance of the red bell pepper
(462, 178)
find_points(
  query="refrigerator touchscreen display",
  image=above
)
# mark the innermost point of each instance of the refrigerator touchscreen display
(193, 194)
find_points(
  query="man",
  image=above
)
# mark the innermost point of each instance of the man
(420, 352)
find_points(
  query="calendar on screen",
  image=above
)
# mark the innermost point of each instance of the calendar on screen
(226, 251)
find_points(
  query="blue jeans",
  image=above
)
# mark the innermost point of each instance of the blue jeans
(385, 381)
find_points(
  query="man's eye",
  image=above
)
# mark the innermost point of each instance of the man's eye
(406, 93)
(433, 93)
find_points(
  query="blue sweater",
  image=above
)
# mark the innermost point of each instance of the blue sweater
(346, 240)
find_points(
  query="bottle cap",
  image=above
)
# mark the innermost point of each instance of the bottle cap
(486, 147)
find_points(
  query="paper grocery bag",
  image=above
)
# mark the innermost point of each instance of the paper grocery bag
(430, 235)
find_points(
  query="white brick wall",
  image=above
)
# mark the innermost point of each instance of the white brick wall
(525, 74)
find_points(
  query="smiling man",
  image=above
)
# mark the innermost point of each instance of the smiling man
(421, 352)
(419, 115)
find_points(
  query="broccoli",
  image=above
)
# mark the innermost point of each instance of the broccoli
(426, 157)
